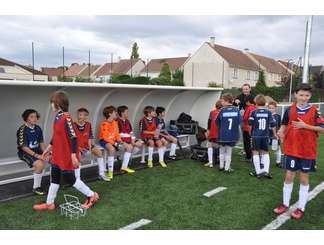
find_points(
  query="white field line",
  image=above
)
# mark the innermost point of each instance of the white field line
(136, 225)
(283, 218)
(215, 191)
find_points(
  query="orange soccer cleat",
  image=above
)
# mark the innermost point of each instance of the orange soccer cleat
(281, 209)
(297, 214)
(44, 207)
(90, 201)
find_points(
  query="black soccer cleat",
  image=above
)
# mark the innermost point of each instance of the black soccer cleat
(39, 191)
(267, 175)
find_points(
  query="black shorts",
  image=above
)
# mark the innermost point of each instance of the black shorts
(28, 159)
(146, 140)
(260, 143)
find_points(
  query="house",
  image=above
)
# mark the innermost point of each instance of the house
(75, 69)
(54, 72)
(228, 67)
(13, 71)
(88, 71)
(221, 66)
(131, 67)
(274, 72)
(153, 67)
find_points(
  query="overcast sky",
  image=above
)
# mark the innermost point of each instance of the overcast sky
(280, 37)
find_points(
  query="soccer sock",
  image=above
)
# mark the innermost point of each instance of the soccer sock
(303, 196)
(287, 189)
(256, 162)
(265, 160)
(150, 153)
(101, 166)
(37, 180)
(278, 155)
(161, 154)
(77, 173)
(111, 164)
(83, 188)
(228, 157)
(210, 155)
(127, 156)
(52, 191)
(221, 156)
(173, 149)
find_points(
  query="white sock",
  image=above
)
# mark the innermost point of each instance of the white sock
(173, 149)
(101, 166)
(221, 156)
(77, 172)
(161, 154)
(37, 180)
(303, 196)
(256, 162)
(150, 153)
(83, 188)
(126, 158)
(210, 155)
(111, 164)
(228, 157)
(278, 155)
(287, 189)
(52, 191)
(265, 160)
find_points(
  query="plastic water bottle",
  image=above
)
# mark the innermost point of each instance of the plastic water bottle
(274, 144)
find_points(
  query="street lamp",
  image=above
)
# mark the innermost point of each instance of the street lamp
(290, 66)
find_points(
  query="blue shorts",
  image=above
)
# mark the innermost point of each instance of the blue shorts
(28, 159)
(231, 144)
(103, 143)
(260, 143)
(299, 164)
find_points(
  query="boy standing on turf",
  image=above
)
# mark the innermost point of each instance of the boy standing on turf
(275, 143)
(151, 136)
(130, 143)
(30, 145)
(84, 134)
(300, 147)
(261, 120)
(164, 135)
(109, 137)
(228, 122)
(212, 132)
(65, 155)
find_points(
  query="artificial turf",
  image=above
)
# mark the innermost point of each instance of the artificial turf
(173, 199)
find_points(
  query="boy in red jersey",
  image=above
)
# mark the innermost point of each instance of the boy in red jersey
(151, 136)
(65, 155)
(130, 144)
(84, 134)
(212, 132)
(250, 106)
(300, 147)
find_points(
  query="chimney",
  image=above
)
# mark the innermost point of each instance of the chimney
(246, 50)
(212, 41)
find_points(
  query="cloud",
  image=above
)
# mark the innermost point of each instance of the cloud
(279, 37)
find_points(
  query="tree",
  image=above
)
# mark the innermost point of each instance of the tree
(165, 72)
(135, 54)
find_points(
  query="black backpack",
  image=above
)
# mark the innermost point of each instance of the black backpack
(184, 118)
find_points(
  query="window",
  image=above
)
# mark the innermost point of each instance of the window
(235, 73)
(2, 70)
(256, 76)
(248, 75)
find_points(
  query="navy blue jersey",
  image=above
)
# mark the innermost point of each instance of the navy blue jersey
(261, 120)
(30, 137)
(277, 122)
(229, 121)
(301, 111)
(160, 123)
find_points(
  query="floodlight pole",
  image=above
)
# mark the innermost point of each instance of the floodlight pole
(33, 61)
(307, 48)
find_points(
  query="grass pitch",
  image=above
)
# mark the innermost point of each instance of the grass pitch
(173, 199)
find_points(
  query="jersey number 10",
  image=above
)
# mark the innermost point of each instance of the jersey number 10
(262, 124)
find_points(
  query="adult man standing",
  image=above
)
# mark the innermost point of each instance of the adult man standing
(240, 101)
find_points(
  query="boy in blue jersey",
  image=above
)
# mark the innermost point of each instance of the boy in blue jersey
(229, 122)
(261, 120)
(30, 145)
(272, 106)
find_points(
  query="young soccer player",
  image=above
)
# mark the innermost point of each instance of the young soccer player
(65, 155)
(164, 135)
(212, 132)
(151, 135)
(272, 106)
(30, 145)
(250, 106)
(85, 137)
(109, 137)
(130, 143)
(300, 147)
(261, 120)
(229, 122)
